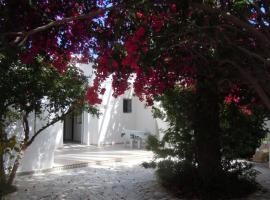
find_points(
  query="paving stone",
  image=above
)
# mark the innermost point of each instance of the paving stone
(107, 182)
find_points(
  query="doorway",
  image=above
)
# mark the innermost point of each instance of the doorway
(73, 128)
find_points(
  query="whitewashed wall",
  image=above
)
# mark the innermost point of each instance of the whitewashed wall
(40, 154)
(144, 118)
(98, 131)
(108, 127)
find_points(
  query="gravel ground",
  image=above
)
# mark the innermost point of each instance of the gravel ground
(118, 181)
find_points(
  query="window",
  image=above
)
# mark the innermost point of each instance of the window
(127, 106)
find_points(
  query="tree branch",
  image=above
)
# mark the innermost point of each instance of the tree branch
(238, 22)
(26, 127)
(46, 126)
(22, 36)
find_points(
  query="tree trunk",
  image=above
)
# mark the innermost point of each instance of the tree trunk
(24, 147)
(207, 135)
(3, 181)
(2, 170)
(15, 167)
(2, 163)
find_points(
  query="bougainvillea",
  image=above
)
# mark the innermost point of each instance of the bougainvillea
(211, 47)
(159, 41)
(164, 43)
(36, 27)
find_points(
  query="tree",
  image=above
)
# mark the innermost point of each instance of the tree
(212, 45)
(167, 43)
(242, 127)
(38, 91)
(238, 26)
(179, 43)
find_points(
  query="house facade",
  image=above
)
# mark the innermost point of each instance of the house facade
(117, 114)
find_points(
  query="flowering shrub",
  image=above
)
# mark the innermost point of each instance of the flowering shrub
(176, 156)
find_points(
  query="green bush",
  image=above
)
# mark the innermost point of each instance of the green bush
(175, 155)
(182, 178)
(6, 189)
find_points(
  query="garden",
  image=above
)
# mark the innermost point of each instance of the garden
(200, 65)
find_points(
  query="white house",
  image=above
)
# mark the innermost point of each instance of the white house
(118, 114)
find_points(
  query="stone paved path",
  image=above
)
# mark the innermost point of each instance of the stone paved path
(75, 153)
(121, 181)
(110, 180)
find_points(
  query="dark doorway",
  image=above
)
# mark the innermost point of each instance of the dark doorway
(73, 128)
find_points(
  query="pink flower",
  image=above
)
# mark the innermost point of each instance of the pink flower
(140, 32)
(173, 7)
(114, 64)
(139, 15)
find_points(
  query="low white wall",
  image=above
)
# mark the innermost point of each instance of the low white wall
(40, 154)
